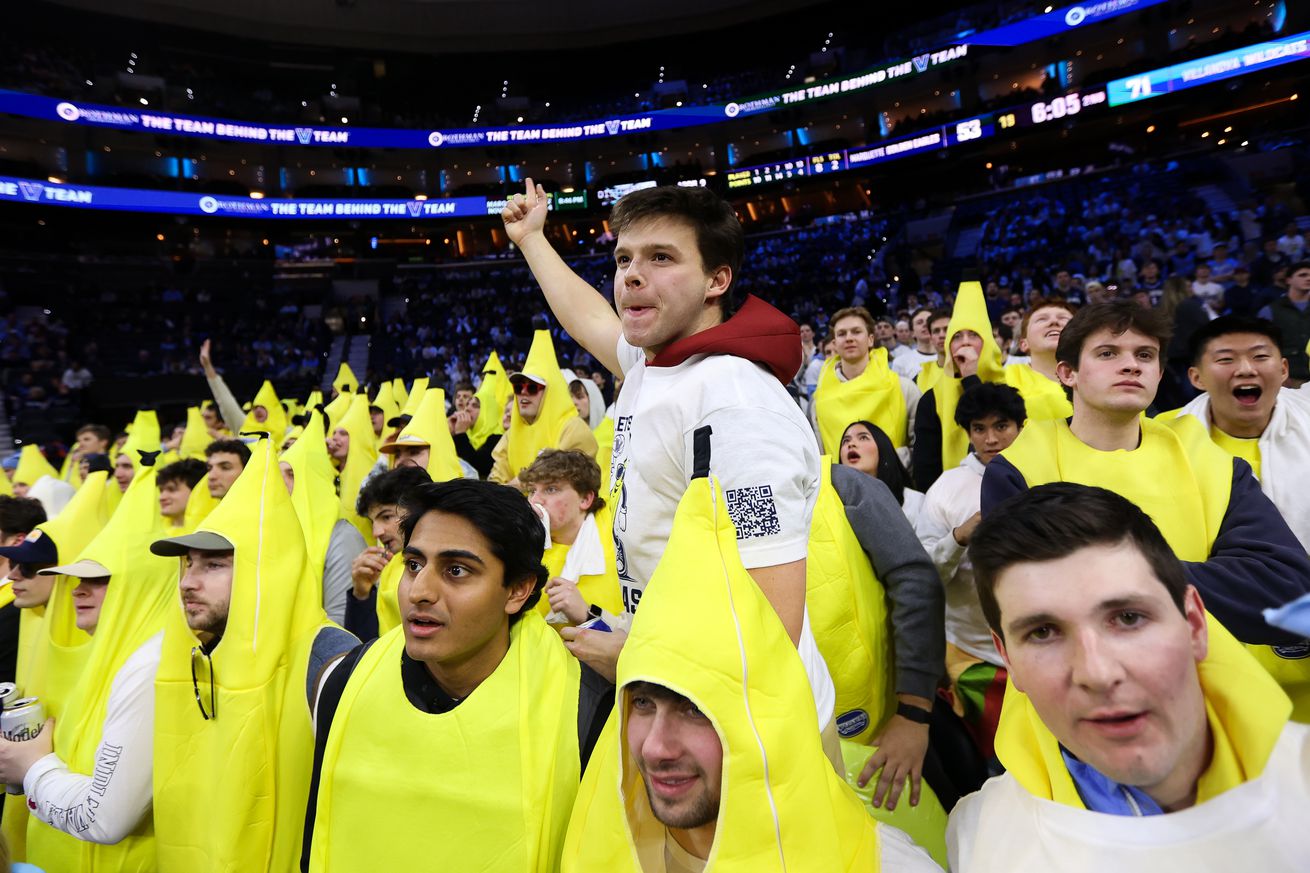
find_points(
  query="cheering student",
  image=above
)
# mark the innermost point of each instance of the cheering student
(1236, 548)
(1138, 735)
(688, 361)
(456, 742)
(1036, 380)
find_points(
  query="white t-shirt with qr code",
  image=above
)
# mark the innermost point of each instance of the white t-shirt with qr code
(762, 451)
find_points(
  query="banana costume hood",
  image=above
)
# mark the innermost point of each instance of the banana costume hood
(360, 458)
(230, 789)
(345, 383)
(142, 435)
(386, 401)
(32, 465)
(196, 438)
(428, 428)
(527, 440)
(276, 423)
(494, 392)
(313, 492)
(141, 593)
(705, 631)
(51, 649)
(970, 313)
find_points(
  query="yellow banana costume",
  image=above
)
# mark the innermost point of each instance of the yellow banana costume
(142, 436)
(32, 465)
(196, 438)
(875, 395)
(51, 650)
(230, 790)
(386, 401)
(1042, 399)
(970, 313)
(1178, 476)
(314, 491)
(360, 457)
(428, 427)
(527, 440)
(387, 608)
(850, 618)
(276, 423)
(398, 392)
(198, 507)
(141, 593)
(706, 632)
(497, 775)
(345, 382)
(494, 392)
(337, 409)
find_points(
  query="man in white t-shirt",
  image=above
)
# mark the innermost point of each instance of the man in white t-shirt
(686, 366)
(910, 362)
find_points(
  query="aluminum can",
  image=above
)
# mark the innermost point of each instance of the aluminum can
(8, 694)
(21, 720)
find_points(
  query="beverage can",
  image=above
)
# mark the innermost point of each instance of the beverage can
(8, 693)
(21, 720)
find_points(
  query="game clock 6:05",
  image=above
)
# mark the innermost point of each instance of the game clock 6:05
(1060, 107)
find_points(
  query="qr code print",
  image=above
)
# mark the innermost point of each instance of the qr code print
(753, 511)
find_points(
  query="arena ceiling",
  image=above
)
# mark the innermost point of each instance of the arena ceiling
(449, 25)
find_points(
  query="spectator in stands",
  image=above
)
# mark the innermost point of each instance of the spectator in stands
(867, 448)
(1222, 265)
(1237, 363)
(1207, 290)
(1240, 297)
(924, 348)
(678, 254)
(91, 439)
(1128, 702)
(375, 570)
(583, 583)
(859, 384)
(1292, 243)
(175, 483)
(1291, 314)
(992, 415)
(1267, 263)
(506, 771)
(224, 461)
(1151, 281)
(19, 516)
(76, 377)
(1237, 546)
(1037, 379)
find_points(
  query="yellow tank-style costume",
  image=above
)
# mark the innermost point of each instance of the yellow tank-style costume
(875, 395)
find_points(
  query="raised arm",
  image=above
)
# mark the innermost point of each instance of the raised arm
(580, 308)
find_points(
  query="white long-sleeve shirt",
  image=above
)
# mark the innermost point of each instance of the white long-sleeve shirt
(107, 805)
(949, 503)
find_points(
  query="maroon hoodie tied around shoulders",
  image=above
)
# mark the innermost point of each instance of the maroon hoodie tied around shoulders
(757, 332)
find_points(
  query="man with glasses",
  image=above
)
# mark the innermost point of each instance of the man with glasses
(233, 738)
(530, 398)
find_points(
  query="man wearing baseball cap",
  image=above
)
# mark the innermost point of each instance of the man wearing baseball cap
(543, 415)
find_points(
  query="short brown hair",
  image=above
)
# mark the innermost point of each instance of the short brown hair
(1053, 521)
(1044, 304)
(1119, 316)
(852, 312)
(577, 469)
(719, 237)
(102, 433)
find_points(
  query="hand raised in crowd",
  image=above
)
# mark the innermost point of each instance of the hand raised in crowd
(564, 597)
(598, 649)
(366, 568)
(964, 532)
(461, 421)
(17, 758)
(206, 362)
(899, 754)
(525, 213)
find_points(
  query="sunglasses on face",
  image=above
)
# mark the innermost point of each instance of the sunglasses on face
(527, 388)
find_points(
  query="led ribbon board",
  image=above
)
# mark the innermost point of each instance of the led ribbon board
(1215, 68)
(177, 203)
